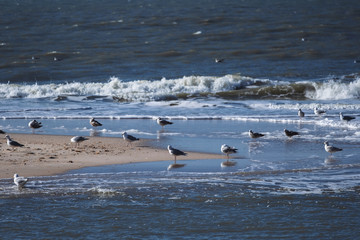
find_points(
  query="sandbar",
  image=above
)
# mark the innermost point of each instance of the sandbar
(45, 155)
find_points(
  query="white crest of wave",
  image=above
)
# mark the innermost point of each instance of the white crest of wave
(139, 90)
(334, 90)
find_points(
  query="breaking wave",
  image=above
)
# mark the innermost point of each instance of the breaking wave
(228, 87)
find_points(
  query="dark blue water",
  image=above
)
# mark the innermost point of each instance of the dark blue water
(93, 41)
(128, 62)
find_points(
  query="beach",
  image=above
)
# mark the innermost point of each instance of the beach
(44, 155)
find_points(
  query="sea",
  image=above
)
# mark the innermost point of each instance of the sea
(216, 69)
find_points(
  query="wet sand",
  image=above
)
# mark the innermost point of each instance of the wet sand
(44, 155)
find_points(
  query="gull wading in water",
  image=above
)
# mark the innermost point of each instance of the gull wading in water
(226, 149)
(12, 143)
(163, 122)
(129, 138)
(175, 152)
(346, 118)
(20, 181)
(34, 125)
(331, 149)
(78, 140)
(255, 135)
(95, 123)
(290, 133)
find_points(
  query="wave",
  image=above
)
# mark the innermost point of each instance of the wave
(235, 87)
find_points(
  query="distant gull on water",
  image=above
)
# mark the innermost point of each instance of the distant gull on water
(129, 138)
(331, 149)
(255, 135)
(12, 143)
(301, 113)
(346, 118)
(78, 140)
(319, 111)
(95, 123)
(290, 133)
(163, 122)
(20, 181)
(175, 152)
(34, 125)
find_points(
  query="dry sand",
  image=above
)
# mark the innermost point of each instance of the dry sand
(45, 155)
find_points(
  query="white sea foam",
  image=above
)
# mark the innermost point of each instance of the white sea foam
(335, 90)
(140, 90)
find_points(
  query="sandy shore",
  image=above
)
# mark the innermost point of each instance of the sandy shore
(45, 155)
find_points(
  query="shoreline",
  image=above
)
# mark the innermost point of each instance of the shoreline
(46, 155)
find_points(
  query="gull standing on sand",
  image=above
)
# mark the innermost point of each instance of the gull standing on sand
(34, 125)
(20, 181)
(331, 149)
(319, 112)
(301, 114)
(129, 138)
(175, 152)
(290, 133)
(95, 123)
(226, 149)
(163, 122)
(255, 135)
(346, 118)
(12, 143)
(78, 140)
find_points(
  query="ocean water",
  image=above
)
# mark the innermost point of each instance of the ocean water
(128, 62)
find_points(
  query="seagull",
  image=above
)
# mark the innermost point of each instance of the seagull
(34, 125)
(12, 143)
(318, 111)
(255, 135)
(228, 150)
(290, 133)
(219, 60)
(129, 138)
(78, 140)
(346, 118)
(162, 122)
(331, 149)
(95, 123)
(175, 153)
(301, 113)
(20, 181)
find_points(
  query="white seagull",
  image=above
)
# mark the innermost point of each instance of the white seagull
(34, 125)
(78, 140)
(346, 118)
(95, 123)
(331, 149)
(163, 122)
(20, 181)
(175, 152)
(129, 138)
(12, 143)
(228, 150)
